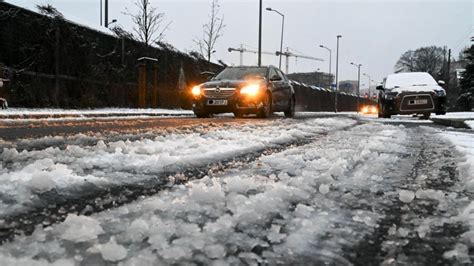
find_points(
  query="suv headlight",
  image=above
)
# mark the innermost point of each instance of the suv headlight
(390, 95)
(250, 90)
(440, 92)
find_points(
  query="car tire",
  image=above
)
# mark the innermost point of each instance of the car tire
(266, 109)
(291, 108)
(238, 114)
(202, 115)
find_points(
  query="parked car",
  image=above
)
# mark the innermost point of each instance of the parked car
(245, 90)
(411, 93)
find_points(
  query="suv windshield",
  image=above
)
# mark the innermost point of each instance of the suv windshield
(240, 73)
(409, 79)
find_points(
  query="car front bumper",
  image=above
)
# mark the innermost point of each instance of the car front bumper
(415, 103)
(237, 103)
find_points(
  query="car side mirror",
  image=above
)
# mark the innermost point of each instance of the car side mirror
(379, 87)
(208, 74)
(441, 82)
(275, 78)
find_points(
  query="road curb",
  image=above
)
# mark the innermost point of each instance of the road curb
(451, 122)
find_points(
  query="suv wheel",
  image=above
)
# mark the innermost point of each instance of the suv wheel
(266, 109)
(383, 112)
(425, 116)
(291, 108)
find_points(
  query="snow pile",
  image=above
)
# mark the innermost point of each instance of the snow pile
(299, 206)
(25, 174)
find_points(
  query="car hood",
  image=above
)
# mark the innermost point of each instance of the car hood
(228, 83)
(428, 88)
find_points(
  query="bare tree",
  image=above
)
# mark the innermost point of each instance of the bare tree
(212, 31)
(149, 24)
(425, 59)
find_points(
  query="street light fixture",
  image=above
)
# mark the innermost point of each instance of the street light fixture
(330, 57)
(358, 84)
(282, 30)
(337, 71)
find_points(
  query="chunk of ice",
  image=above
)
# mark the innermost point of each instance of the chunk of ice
(406, 196)
(80, 228)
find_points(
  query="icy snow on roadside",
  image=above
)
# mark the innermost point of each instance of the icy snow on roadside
(100, 111)
(302, 205)
(25, 174)
(464, 143)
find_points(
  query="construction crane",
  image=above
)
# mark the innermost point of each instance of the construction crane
(289, 54)
(243, 50)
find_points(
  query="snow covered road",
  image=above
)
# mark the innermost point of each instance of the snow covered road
(284, 191)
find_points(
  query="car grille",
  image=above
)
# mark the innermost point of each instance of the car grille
(219, 93)
(408, 100)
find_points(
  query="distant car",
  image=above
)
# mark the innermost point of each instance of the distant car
(245, 90)
(369, 109)
(411, 93)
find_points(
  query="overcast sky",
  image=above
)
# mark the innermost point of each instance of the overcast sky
(375, 32)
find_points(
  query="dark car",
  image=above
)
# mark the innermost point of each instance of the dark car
(411, 93)
(245, 90)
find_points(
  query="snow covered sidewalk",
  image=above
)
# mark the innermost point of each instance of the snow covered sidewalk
(43, 113)
(455, 119)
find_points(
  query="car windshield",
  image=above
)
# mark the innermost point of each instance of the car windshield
(409, 79)
(241, 73)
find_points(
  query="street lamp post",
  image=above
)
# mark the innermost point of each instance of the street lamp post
(282, 30)
(260, 34)
(370, 79)
(358, 84)
(330, 56)
(337, 71)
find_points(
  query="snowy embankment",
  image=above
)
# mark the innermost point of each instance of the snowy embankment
(303, 205)
(26, 174)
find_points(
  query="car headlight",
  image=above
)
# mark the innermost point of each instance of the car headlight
(251, 90)
(196, 90)
(374, 109)
(365, 110)
(441, 93)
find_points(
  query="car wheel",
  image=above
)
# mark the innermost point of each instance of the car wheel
(238, 114)
(266, 109)
(202, 115)
(291, 108)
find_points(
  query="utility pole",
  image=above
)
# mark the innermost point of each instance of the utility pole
(106, 17)
(448, 73)
(260, 35)
(100, 12)
(337, 71)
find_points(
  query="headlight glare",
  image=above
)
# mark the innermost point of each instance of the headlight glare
(196, 91)
(251, 90)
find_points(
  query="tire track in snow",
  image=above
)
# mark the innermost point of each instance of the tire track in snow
(421, 231)
(91, 198)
